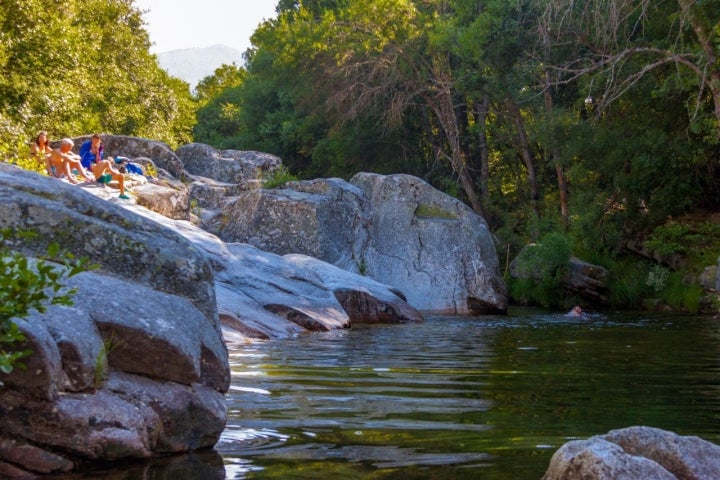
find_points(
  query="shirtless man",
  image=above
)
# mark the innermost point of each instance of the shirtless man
(63, 161)
(105, 173)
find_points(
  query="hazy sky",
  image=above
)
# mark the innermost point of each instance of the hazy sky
(176, 24)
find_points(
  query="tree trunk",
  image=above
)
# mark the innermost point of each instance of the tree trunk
(482, 110)
(526, 155)
(559, 171)
(440, 99)
(552, 153)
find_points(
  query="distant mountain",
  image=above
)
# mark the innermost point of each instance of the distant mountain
(194, 64)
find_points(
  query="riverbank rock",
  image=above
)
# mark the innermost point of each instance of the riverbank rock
(634, 453)
(430, 246)
(138, 366)
(322, 218)
(393, 229)
(581, 278)
(365, 300)
(586, 280)
(263, 295)
(227, 166)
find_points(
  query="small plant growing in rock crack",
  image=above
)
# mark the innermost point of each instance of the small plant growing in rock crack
(278, 177)
(101, 362)
(195, 207)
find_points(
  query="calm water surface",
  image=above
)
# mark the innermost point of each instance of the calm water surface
(462, 397)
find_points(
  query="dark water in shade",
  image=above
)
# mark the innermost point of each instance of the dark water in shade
(484, 398)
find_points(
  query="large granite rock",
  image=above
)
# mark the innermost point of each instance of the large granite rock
(127, 246)
(431, 246)
(166, 196)
(138, 366)
(227, 166)
(636, 453)
(323, 218)
(394, 229)
(264, 295)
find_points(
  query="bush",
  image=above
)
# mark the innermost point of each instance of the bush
(630, 283)
(539, 269)
(278, 177)
(27, 285)
(680, 296)
(699, 242)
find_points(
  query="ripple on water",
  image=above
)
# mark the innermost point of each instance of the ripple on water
(456, 393)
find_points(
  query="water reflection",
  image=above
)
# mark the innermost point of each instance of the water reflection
(457, 396)
(206, 465)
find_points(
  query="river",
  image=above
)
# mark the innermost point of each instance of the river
(461, 398)
(487, 398)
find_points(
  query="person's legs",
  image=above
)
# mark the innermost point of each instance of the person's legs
(77, 165)
(49, 167)
(68, 173)
(121, 181)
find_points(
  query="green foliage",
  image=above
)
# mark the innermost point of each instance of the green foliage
(657, 277)
(681, 296)
(27, 285)
(539, 269)
(628, 283)
(277, 177)
(100, 371)
(224, 77)
(433, 211)
(687, 239)
(195, 207)
(72, 67)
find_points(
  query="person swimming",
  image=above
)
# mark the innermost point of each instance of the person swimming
(575, 311)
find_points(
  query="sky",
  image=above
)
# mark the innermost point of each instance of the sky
(179, 24)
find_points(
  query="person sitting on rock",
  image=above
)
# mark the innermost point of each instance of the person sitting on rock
(40, 150)
(91, 151)
(105, 172)
(63, 162)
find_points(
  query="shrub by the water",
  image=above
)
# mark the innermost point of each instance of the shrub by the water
(27, 285)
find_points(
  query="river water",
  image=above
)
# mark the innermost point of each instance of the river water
(464, 397)
(485, 398)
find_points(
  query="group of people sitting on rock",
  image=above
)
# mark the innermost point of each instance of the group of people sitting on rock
(62, 162)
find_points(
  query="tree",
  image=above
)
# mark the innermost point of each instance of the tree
(378, 57)
(72, 67)
(619, 42)
(224, 77)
